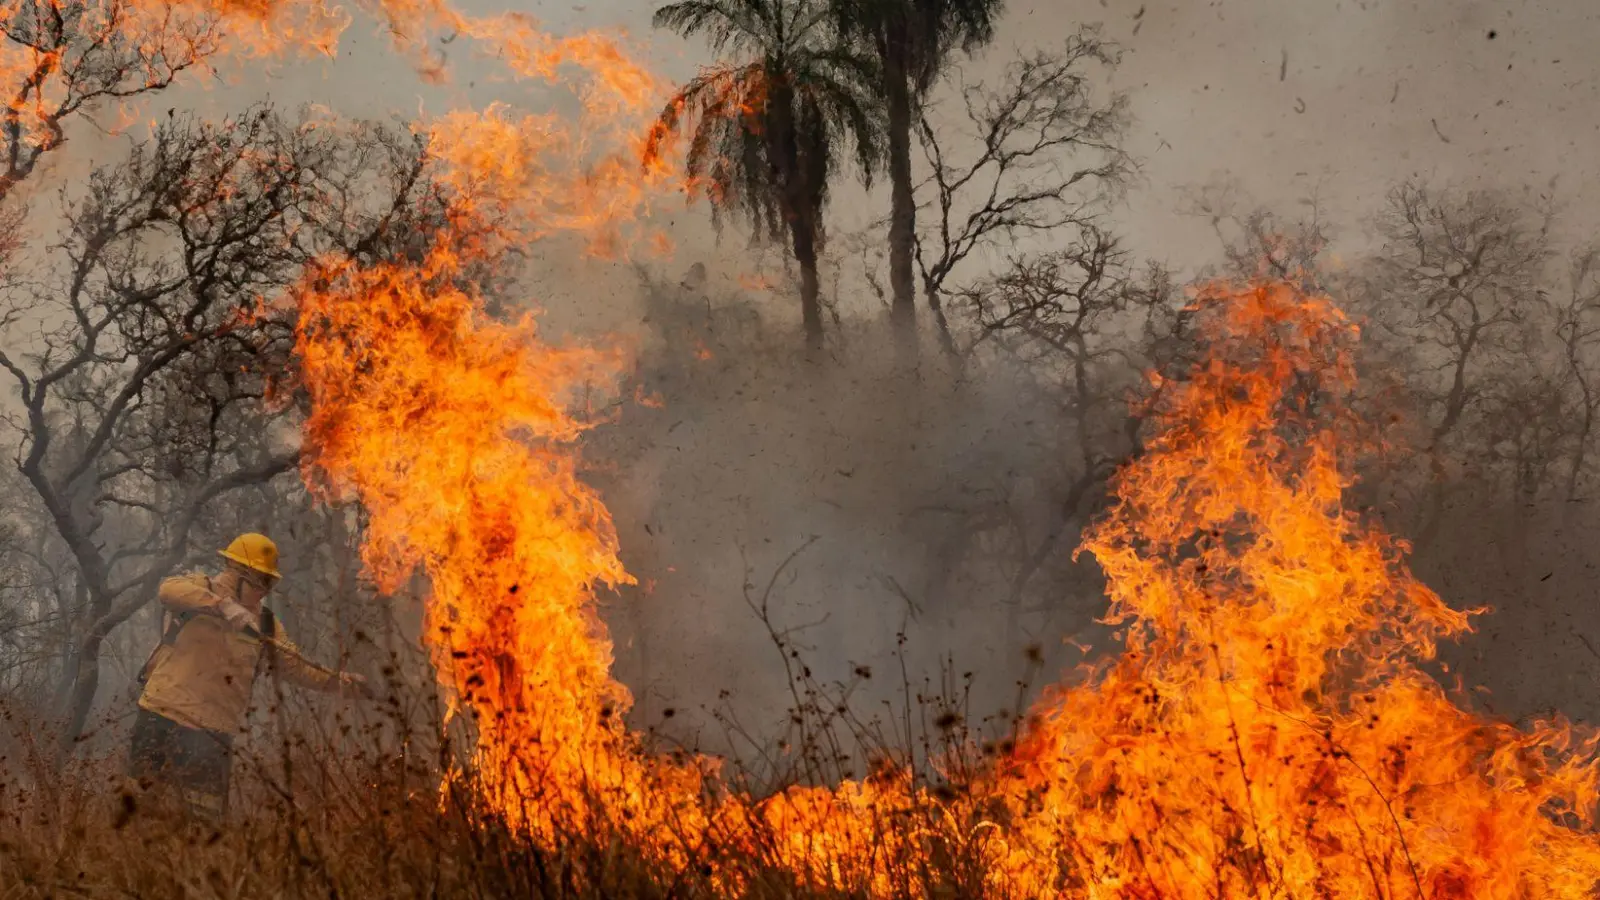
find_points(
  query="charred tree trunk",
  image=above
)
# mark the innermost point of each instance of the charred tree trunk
(1580, 452)
(85, 685)
(805, 253)
(947, 341)
(903, 208)
(801, 198)
(69, 610)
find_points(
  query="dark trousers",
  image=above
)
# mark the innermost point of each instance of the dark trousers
(195, 762)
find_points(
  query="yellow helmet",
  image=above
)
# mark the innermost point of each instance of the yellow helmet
(254, 551)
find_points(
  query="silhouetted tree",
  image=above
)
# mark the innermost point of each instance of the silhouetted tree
(1456, 291)
(1038, 156)
(767, 130)
(911, 41)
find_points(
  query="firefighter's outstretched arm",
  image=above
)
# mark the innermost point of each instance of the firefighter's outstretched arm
(297, 670)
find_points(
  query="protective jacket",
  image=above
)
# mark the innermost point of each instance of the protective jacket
(203, 677)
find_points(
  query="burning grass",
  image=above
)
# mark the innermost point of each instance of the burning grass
(372, 838)
(314, 818)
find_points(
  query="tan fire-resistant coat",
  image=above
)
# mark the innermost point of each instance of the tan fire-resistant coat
(204, 678)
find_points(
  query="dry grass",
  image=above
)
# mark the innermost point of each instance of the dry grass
(331, 810)
(94, 837)
(101, 844)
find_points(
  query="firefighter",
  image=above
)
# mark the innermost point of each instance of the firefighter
(217, 638)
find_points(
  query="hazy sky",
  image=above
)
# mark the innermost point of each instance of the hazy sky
(1454, 89)
(1341, 96)
(1287, 97)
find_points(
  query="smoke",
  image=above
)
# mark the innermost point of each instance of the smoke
(882, 518)
(1537, 652)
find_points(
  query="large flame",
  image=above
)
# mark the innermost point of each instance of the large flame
(454, 431)
(1268, 732)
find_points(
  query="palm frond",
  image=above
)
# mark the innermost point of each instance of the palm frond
(766, 130)
(741, 24)
(923, 32)
(690, 102)
(859, 118)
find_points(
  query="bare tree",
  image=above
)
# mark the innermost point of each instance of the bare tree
(1047, 160)
(1257, 241)
(1036, 164)
(1578, 327)
(29, 601)
(1455, 292)
(1086, 320)
(147, 342)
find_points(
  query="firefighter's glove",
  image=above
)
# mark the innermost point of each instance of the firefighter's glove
(237, 617)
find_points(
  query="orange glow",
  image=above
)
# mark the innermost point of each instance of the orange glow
(756, 283)
(60, 53)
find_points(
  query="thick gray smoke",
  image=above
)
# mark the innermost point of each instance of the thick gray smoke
(882, 518)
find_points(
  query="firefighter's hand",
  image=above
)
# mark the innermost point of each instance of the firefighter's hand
(237, 617)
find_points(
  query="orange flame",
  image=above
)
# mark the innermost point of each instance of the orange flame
(1268, 731)
(453, 431)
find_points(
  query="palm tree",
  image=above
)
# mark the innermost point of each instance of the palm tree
(910, 41)
(766, 127)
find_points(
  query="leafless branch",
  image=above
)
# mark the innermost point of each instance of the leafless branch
(1048, 157)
